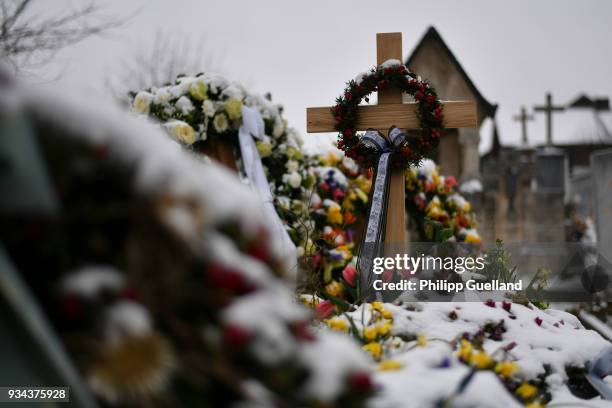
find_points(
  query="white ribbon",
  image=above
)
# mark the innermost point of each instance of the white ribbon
(253, 127)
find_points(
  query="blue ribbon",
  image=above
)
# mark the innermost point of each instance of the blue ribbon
(372, 245)
(600, 368)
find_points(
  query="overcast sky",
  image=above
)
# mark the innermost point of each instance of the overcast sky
(303, 51)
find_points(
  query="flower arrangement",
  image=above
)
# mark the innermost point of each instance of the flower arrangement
(391, 73)
(163, 286)
(199, 111)
(433, 199)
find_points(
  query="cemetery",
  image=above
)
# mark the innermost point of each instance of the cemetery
(189, 243)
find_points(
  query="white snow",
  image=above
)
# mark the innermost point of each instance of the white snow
(471, 186)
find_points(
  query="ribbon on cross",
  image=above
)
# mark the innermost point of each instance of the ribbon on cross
(372, 245)
(253, 128)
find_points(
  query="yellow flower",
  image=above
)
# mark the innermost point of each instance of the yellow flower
(182, 132)
(374, 349)
(472, 238)
(330, 160)
(337, 324)
(264, 149)
(535, 404)
(422, 340)
(198, 90)
(370, 333)
(364, 183)
(385, 329)
(233, 108)
(334, 214)
(362, 196)
(465, 350)
(527, 391)
(481, 360)
(377, 306)
(334, 288)
(294, 154)
(467, 206)
(387, 314)
(506, 368)
(390, 365)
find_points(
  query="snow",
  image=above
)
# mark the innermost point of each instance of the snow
(391, 63)
(471, 186)
(90, 281)
(560, 340)
(327, 379)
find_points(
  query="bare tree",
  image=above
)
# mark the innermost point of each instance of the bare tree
(169, 55)
(28, 40)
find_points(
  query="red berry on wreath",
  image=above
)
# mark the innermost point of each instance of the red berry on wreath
(348, 133)
(435, 134)
(430, 99)
(419, 95)
(406, 151)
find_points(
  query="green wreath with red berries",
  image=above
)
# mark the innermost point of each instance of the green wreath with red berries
(429, 112)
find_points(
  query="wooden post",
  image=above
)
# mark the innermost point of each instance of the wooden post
(389, 46)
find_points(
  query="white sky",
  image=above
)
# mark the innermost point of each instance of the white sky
(303, 52)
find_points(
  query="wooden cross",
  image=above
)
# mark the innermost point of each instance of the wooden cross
(392, 111)
(549, 108)
(523, 118)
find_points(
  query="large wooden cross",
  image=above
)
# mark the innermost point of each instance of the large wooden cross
(392, 111)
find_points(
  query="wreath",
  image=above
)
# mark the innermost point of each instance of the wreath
(429, 112)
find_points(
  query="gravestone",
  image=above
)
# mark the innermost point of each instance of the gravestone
(601, 169)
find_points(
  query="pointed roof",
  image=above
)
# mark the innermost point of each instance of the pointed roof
(432, 35)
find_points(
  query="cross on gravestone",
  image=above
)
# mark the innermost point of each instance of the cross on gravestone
(523, 118)
(549, 108)
(392, 111)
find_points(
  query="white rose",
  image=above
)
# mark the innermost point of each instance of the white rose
(293, 179)
(182, 131)
(208, 107)
(292, 166)
(220, 123)
(142, 102)
(279, 128)
(162, 96)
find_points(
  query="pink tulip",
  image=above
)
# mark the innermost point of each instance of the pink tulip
(324, 309)
(450, 181)
(350, 275)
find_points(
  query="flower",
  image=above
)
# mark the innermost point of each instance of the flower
(324, 309)
(337, 324)
(481, 360)
(377, 306)
(264, 149)
(182, 131)
(527, 391)
(233, 108)
(535, 404)
(465, 350)
(220, 123)
(334, 214)
(370, 333)
(208, 107)
(293, 179)
(422, 340)
(334, 288)
(506, 369)
(198, 90)
(384, 329)
(132, 368)
(292, 166)
(390, 365)
(349, 274)
(374, 349)
(142, 102)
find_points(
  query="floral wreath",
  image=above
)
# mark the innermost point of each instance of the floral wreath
(390, 74)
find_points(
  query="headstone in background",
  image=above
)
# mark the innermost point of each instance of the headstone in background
(551, 171)
(601, 169)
